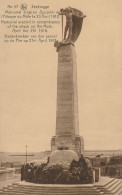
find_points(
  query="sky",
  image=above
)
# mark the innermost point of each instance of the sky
(28, 81)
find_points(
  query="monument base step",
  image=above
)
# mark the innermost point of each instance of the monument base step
(105, 186)
(114, 186)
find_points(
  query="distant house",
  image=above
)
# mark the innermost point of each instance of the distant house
(7, 164)
(109, 166)
(100, 161)
(11, 164)
(116, 160)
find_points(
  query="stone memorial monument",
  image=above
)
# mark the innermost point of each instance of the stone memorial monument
(67, 138)
(66, 163)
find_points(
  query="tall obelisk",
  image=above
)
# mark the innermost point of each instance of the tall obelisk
(67, 125)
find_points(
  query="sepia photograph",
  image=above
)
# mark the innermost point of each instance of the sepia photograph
(60, 97)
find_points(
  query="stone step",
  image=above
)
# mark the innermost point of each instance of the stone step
(51, 193)
(115, 186)
(111, 182)
(111, 185)
(119, 191)
(35, 193)
(116, 191)
(55, 188)
(46, 190)
(65, 187)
